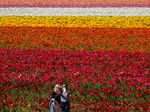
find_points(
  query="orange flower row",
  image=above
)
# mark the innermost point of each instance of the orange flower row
(134, 39)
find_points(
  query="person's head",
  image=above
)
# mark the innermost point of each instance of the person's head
(65, 85)
(58, 89)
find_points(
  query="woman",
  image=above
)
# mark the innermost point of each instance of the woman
(65, 105)
(56, 99)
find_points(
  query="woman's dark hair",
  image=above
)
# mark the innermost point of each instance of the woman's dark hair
(66, 85)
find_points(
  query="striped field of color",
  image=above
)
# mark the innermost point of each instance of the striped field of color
(99, 48)
(75, 3)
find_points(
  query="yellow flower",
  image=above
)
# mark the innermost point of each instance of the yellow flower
(79, 21)
(29, 105)
(23, 108)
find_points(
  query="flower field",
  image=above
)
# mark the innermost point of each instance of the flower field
(100, 81)
(103, 56)
(122, 39)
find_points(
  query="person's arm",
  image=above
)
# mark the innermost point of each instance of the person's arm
(53, 96)
(65, 97)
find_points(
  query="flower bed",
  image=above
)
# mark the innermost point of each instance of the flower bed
(122, 39)
(99, 80)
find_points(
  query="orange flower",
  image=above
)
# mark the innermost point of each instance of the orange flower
(131, 39)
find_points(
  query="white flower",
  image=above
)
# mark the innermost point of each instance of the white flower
(19, 75)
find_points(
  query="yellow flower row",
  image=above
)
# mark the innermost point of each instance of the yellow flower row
(77, 21)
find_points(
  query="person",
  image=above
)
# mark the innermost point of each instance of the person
(65, 105)
(55, 99)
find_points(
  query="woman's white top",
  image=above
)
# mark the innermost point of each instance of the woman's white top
(64, 96)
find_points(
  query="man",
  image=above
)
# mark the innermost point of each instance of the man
(55, 99)
(65, 105)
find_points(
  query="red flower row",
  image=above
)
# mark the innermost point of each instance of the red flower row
(100, 80)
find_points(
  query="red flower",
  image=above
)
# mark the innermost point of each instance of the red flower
(9, 101)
